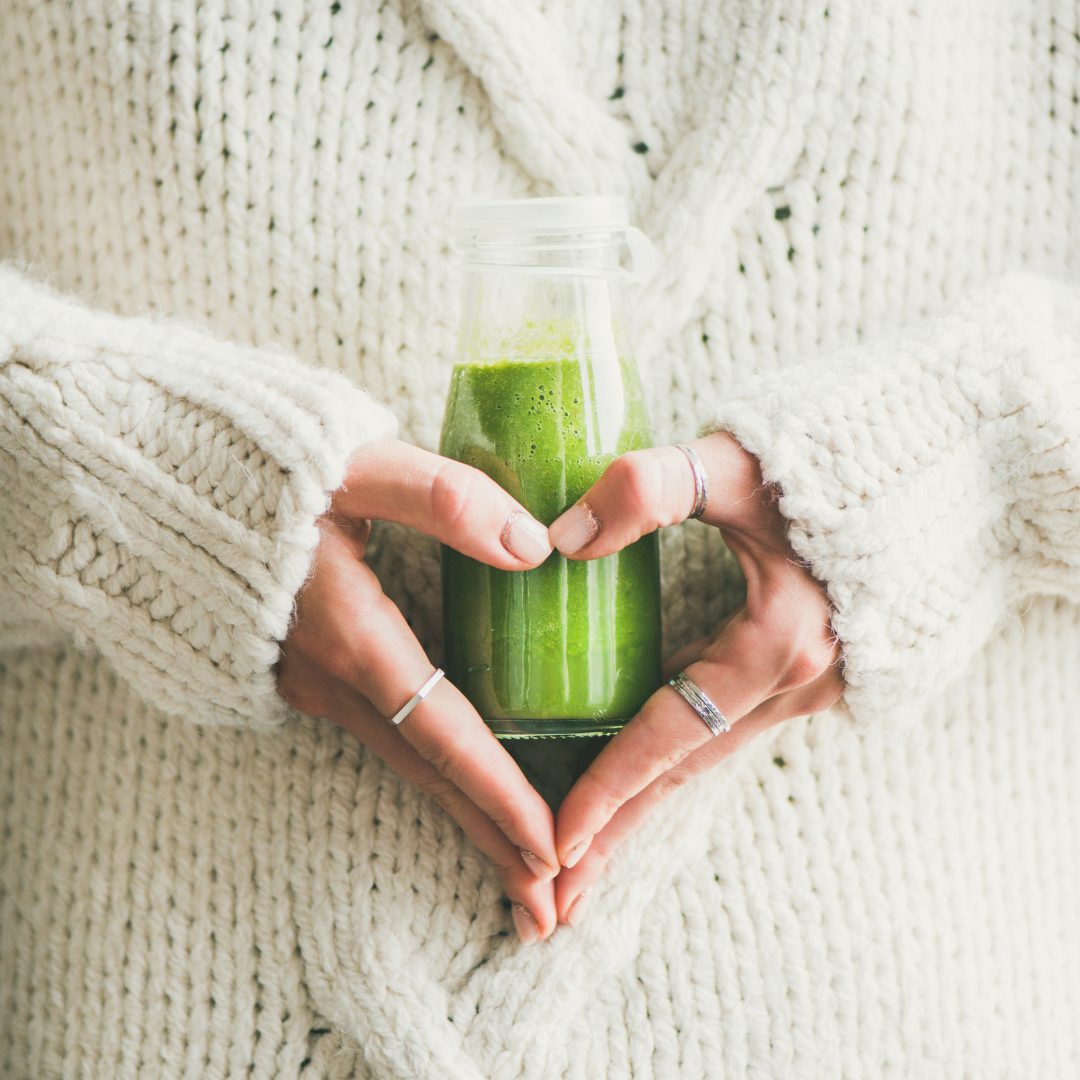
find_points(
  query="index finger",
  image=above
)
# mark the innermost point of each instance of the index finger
(531, 895)
(447, 732)
(738, 672)
(457, 504)
(360, 637)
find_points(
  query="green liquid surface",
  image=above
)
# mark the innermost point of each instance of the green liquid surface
(569, 647)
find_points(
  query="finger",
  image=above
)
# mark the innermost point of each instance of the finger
(572, 883)
(350, 628)
(737, 672)
(459, 505)
(637, 493)
(533, 899)
(651, 489)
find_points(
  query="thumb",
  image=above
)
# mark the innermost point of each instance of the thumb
(637, 493)
(457, 504)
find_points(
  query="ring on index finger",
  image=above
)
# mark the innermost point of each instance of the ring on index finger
(701, 703)
(417, 697)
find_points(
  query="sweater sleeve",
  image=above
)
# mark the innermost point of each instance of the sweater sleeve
(932, 481)
(159, 490)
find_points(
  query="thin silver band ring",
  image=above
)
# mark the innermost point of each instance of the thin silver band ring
(701, 703)
(417, 697)
(701, 481)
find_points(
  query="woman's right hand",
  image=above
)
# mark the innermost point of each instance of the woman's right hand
(351, 657)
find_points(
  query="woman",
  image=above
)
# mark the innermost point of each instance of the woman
(840, 196)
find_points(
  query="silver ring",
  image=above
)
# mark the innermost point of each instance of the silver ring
(701, 481)
(417, 697)
(700, 702)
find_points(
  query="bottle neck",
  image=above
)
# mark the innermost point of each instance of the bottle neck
(592, 253)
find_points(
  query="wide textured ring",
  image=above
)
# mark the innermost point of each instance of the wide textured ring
(417, 697)
(700, 702)
(701, 481)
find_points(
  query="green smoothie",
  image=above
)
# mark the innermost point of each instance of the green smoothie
(570, 648)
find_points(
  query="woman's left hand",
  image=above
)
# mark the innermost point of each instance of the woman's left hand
(772, 659)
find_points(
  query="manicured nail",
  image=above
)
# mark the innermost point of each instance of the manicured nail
(537, 865)
(573, 856)
(525, 537)
(575, 528)
(525, 923)
(579, 908)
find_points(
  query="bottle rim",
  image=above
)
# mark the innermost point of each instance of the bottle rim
(560, 214)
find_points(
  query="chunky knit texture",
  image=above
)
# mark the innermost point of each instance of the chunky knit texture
(219, 902)
(158, 492)
(840, 193)
(933, 481)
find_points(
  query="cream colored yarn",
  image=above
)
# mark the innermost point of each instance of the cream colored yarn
(841, 195)
(933, 480)
(158, 493)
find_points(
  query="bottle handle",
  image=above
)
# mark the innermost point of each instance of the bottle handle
(642, 256)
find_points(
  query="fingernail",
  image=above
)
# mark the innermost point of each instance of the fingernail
(579, 908)
(575, 528)
(537, 865)
(573, 856)
(525, 537)
(525, 923)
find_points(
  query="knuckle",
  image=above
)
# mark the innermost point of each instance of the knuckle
(503, 821)
(442, 791)
(352, 608)
(637, 477)
(665, 755)
(672, 780)
(345, 650)
(603, 847)
(380, 606)
(600, 851)
(804, 667)
(510, 875)
(454, 496)
(808, 661)
(603, 800)
(449, 765)
(446, 757)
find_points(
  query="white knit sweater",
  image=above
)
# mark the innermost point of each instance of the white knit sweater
(843, 196)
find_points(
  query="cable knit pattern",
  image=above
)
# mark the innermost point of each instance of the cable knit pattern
(840, 902)
(159, 490)
(932, 480)
(839, 191)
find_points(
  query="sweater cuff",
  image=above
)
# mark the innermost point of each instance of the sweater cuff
(914, 474)
(161, 489)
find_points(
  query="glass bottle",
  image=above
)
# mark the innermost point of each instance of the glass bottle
(544, 394)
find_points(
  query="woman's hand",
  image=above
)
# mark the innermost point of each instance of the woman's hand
(772, 659)
(351, 657)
